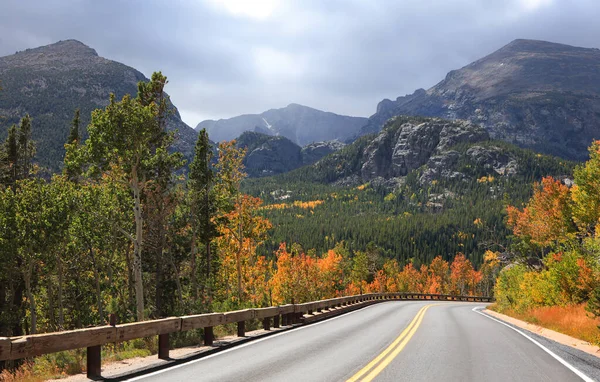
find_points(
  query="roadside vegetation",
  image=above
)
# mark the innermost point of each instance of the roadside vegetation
(128, 228)
(555, 280)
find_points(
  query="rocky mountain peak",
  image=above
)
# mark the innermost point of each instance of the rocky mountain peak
(536, 94)
(60, 56)
(68, 46)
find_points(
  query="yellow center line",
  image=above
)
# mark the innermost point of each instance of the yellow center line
(391, 351)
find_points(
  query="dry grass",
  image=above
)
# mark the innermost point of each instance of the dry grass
(572, 320)
(25, 373)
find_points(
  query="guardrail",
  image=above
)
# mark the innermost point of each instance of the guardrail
(12, 348)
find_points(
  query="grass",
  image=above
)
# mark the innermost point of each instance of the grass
(572, 320)
(62, 364)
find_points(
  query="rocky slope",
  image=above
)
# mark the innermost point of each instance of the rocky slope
(535, 94)
(51, 81)
(270, 155)
(300, 124)
(430, 150)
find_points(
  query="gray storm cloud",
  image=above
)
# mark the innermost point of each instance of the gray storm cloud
(230, 57)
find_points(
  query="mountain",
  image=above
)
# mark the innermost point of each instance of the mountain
(535, 94)
(420, 188)
(51, 81)
(428, 149)
(270, 155)
(301, 124)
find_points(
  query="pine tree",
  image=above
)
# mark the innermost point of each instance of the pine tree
(74, 131)
(203, 205)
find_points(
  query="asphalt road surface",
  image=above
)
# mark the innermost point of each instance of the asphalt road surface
(394, 341)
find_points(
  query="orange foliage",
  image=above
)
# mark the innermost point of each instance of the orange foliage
(243, 232)
(301, 278)
(546, 218)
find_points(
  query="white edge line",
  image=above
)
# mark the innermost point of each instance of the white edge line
(555, 356)
(250, 342)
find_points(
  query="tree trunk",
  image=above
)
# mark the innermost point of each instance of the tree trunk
(16, 304)
(98, 287)
(27, 277)
(3, 287)
(177, 279)
(208, 259)
(194, 268)
(238, 256)
(61, 315)
(208, 278)
(137, 248)
(50, 297)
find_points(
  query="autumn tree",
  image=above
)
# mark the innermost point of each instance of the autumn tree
(546, 218)
(461, 274)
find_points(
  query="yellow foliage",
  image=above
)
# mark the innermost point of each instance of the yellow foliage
(298, 204)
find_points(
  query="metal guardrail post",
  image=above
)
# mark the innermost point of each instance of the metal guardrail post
(267, 323)
(209, 336)
(163, 346)
(94, 362)
(241, 329)
(276, 321)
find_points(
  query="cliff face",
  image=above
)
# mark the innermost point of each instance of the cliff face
(269, 155)
(428, 151)
(536, 94)
(51, 81)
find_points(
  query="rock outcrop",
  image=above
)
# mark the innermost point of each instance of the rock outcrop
(270, 155)
(398, 150)
(535, 94)
(432, 149)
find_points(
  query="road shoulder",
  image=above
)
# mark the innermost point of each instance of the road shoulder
(561, 338)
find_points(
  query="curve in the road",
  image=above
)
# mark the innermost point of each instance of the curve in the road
(448, 342)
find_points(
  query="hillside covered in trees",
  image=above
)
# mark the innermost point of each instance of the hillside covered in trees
(121, 231)
(421, 188)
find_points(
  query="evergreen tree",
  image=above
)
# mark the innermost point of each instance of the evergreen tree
(129, 134)
(74, 131)
(203, 205)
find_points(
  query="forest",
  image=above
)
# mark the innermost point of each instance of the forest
(129, 228)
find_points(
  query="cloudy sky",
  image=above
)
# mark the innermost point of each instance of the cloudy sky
(229, 57)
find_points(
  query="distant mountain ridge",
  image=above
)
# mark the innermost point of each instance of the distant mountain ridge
(51, 81)
(536, 94)
(300, 124)
(268, 155)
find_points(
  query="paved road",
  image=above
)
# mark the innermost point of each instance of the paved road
(391, 341)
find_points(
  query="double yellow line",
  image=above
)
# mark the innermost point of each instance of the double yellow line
(387, 356)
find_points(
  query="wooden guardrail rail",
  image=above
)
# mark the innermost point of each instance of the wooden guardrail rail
(12, 348)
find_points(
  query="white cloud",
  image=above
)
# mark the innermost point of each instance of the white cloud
(533, 5)
(254, 9)
(275, 65)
